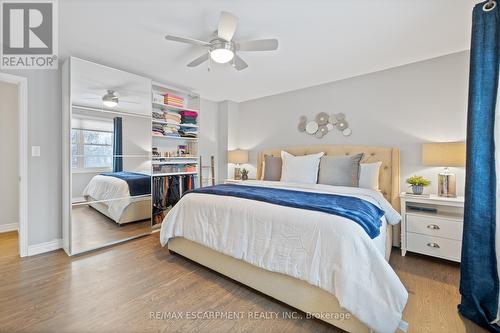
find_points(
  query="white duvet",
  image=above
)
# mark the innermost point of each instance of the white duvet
(109, 188)
(325, 250)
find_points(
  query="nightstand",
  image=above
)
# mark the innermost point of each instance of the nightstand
(432, 225)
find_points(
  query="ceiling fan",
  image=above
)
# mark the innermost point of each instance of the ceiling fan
(111, 98)
(222, 48)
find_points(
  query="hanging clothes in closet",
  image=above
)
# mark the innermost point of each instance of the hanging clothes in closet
(189, 183)
(167, 191)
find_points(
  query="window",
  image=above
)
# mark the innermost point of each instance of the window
(91, 149)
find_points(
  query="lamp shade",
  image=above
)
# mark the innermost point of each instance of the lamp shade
(449, 154)
(237, 156)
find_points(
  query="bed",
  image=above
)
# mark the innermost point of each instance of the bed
(286, 252)
(124, 197)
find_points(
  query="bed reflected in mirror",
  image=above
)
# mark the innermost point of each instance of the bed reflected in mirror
(111, 178)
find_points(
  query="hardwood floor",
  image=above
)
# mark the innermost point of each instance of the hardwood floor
(116, 290)
(91, 229)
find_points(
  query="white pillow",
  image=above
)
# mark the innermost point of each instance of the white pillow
(368, 175)
(300, 169)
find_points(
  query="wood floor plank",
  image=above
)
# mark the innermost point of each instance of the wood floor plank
(116, 290)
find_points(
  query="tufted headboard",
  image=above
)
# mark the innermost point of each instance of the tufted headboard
(389, 171)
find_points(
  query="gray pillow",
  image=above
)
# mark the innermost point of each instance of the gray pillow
(272, 168)
(340, 170)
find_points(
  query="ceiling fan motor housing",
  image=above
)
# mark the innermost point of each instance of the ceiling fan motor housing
(218, 43)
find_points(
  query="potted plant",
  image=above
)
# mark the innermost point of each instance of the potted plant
(417, 184)
(244, 174)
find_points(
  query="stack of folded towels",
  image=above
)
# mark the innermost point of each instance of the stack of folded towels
(188, 117)
(174, 100)
(172, 117)
(158, 114)
(188, 132)
(171, 130)
(158, 130)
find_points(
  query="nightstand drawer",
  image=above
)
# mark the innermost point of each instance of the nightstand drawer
(434, 226)
(434, 246)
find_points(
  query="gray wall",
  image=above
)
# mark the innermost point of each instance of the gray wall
(400, 107)
(9, 152)
(44, 172)
(208, 133)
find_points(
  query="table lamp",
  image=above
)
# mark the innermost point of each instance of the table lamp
(237, 157)
(449, 154)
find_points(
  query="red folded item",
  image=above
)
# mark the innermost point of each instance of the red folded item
(189, 113)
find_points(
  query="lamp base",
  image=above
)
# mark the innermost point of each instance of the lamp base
(237, 173)
(447, 186)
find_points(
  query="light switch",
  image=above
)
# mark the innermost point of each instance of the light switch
(35, 151)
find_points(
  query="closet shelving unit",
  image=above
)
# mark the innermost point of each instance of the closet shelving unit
(173, 165)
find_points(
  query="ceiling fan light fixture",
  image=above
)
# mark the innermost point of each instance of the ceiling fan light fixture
(110, 99)
(222, 56)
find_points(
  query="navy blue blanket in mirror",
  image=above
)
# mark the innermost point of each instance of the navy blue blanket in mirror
(138, 183)
(364, 213)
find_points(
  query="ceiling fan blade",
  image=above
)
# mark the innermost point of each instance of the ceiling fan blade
(258, 45)
(199, 60)
(186, 40)
(128, 102)
(227, 25)
(239, 63)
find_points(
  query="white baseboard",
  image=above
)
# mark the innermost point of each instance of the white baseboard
(35, 249)
(9, 227)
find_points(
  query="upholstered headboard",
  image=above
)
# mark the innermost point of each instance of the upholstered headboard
(389, 180)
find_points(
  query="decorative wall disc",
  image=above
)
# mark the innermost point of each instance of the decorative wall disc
(342, 125)
(322, 118)
(312, 127)
(323, 124)
(333, 119)
(347, 132)
(323, 129)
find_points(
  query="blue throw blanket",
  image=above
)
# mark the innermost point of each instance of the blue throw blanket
(138, 183)
(364, 213)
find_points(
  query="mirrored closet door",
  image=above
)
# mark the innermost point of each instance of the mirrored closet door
(107, 165)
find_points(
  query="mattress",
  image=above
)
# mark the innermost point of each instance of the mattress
(327, 251)
(113, 192)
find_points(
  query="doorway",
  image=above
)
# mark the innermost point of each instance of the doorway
(14, 151)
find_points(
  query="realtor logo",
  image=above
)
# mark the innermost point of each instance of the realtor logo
(29, 39)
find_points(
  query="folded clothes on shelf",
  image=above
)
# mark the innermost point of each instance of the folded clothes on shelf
(173, 117)
(185, 113)
(158, 114)
(188, 134)
(174, 100)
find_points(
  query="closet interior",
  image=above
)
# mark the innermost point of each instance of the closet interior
(175, 157)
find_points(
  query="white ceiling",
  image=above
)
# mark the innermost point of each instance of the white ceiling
(320, 41)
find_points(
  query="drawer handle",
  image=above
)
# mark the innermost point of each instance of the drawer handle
(434, 245)
(433, 227)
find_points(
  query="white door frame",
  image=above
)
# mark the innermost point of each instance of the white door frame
(22, 94)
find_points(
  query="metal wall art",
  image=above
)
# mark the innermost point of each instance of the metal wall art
(324, 123)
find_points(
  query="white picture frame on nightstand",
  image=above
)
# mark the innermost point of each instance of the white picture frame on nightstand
(432, 225)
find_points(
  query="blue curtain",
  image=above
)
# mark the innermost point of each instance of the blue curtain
(479, 275)
(117, 145)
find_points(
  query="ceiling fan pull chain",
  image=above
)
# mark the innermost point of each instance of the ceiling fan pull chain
(209, 62)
